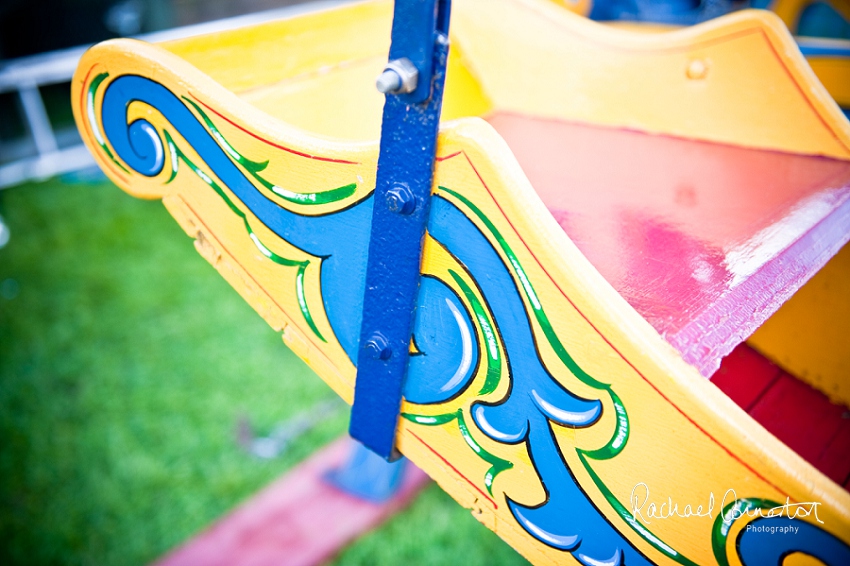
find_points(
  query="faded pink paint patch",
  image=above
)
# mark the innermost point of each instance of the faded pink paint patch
(704, 240)
(298, 520)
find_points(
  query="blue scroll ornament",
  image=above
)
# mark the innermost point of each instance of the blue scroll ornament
(447, 350)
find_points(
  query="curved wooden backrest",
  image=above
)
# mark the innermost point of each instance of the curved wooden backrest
(540, 399)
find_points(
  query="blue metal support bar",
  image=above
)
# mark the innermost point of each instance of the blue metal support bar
(413, 82)
(365, 475)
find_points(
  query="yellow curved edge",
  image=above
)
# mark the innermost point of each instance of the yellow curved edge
(787, 10)
(739, 79)
(688, 440)
(834, 74)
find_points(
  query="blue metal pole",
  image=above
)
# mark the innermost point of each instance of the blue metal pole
(414, 84)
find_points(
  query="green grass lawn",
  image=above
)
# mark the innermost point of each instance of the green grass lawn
(125, 362)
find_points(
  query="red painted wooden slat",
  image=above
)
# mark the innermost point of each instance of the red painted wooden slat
(800, 416)
(744, 375)
(299, 520)
(796, 413)
(834, 461)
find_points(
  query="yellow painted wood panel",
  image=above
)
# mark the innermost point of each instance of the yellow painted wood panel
(662, 426)
(739, 79)
(265, 54)
(351, 106)
(809, 336)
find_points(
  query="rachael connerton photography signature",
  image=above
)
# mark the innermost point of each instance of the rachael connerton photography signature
(647, 510)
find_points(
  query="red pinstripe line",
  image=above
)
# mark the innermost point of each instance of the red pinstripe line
(449, 464)
(663, 396)
(448, 156)
(83, 92)
(801, 91)
(284, 148)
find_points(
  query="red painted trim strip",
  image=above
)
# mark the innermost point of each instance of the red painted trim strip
(802, 92)
(708, 43)
(698, 427)
(449, 464)
(455, 154)
(284, 148)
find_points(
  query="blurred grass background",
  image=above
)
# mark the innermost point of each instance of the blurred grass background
(125, 363)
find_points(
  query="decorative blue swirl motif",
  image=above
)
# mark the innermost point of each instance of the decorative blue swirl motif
(444, 368)
(145, 143)
(344, 259)
(567, 520)
(437, 331)
(448, 353)
(343, 266)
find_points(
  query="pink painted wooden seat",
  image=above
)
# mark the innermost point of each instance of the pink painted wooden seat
(705, 240)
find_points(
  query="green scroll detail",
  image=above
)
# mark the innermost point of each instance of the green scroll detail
(493, 351)
(178, 155)
(531, 295)
(497, 465)
(491, 383)
(254, 167)
(620, 436)
(723, 524)
(98, 136)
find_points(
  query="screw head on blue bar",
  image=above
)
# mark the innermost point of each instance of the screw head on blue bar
(379, 347)
(401, 200)
(400, 76)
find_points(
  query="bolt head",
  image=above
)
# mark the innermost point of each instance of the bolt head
(379, 347)
(401, 200)
(697, 69)
(388, 81)
(400, 76)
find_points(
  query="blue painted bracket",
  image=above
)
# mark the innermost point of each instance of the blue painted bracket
(400, 214)
(367, 476)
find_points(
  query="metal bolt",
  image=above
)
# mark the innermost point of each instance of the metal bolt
(697, 69)
(400, 76)
(378, 346)
(401, 200)
(389, 81)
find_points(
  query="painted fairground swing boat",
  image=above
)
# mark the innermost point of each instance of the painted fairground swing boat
(631, 208)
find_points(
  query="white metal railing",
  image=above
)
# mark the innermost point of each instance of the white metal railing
(26, 75)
